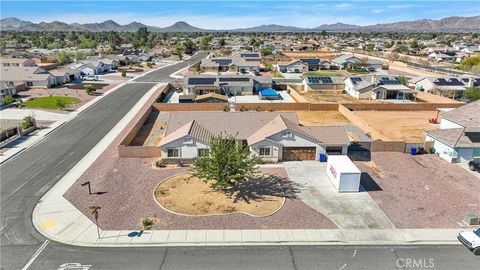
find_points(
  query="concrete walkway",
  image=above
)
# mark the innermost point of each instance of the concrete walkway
(355, 210)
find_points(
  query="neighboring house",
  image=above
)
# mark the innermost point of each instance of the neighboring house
(445, 87)
(377, 87)
(458, 139)
(313, 64)
(323, 83)
(17, 62)
(346, 61)
(239, 62)
(225, 84)
(30, 77)
(108, 63)
(6, 89)
(273, 136)
(61, 75)
(294, 66)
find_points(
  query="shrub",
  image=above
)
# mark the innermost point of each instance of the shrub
(27, 122)
(180, 163)
(8, 100)
(89, 89)
(160, 163)
(124, 73)
(147, 223)
(60, 104)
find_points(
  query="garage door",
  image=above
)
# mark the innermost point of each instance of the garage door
(298, 153)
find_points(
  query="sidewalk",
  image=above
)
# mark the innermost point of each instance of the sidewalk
(38, 136)
(57, 219)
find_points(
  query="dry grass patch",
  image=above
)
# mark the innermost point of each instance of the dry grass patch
(263, 196)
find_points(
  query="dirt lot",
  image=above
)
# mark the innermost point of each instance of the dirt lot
(191, 196)
(321, 118)
(421, 192)
(400, 125)
(331, 96)
(323, 54)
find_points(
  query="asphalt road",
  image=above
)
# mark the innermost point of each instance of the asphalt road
(261, 257)
(25, 179)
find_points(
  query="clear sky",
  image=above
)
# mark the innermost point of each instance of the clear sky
(236, 14)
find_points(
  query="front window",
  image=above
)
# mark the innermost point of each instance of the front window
(477, 232)
(203, 152)
(173, 152)
(264, 151)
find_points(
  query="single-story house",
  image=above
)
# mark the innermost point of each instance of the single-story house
(312, 63)
(458, 139)
(272, 136)
(294, 66)
(240, 62)
(346, 61)
(17, 62)
(445, 87)
(225, 84)
(29, 76)
(323, 83)
(6, 89)
(377, 87)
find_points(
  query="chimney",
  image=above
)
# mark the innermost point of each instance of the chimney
(470, 82)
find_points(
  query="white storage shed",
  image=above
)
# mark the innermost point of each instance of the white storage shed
(344, 175)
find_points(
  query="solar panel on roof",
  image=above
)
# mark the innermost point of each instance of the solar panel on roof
(389, 81)
(249, 55)
(355, 79)
(310, 61)
(223, 62)
(235, 79)
(319, 79)
(201, 81)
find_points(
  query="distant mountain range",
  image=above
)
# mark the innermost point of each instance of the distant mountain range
(450, 24)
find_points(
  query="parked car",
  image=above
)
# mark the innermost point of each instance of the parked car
(90, 78)
(474, 165)
(471, 239)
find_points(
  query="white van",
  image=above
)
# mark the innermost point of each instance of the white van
(471, 239)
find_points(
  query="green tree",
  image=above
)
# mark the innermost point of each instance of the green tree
(27, 122)
(468, 63)
(227, 164)
(8, 100)
(89, 89)
(179, 52)
(61, 104)
(472, 93)
(197, 68)
(402, 79)
(189, 46)
(63, 57)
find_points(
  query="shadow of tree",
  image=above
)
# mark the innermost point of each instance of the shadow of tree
(259, 186)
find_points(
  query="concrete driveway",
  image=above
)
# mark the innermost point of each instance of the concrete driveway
(346, 210)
